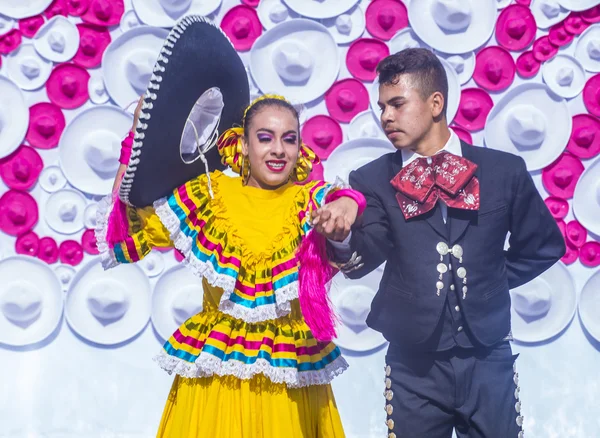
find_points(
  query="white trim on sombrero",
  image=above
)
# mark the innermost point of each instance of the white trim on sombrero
(151, 96)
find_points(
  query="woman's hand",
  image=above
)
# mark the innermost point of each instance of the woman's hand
(334, 220)
(123, 167)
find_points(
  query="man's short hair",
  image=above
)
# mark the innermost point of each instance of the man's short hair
(424, 67)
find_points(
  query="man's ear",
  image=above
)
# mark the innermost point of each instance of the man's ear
(437, 104)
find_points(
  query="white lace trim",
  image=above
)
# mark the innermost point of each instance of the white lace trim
(107, 256)
(283, 296)
(207, 365)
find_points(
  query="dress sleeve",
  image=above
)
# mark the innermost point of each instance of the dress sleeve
(126, 234)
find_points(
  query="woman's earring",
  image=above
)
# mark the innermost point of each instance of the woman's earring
(245, 171)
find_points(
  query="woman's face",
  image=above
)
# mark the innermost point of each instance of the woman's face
(272, 147)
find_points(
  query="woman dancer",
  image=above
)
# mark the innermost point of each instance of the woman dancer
(258, 360)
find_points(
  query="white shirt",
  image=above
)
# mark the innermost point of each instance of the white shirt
(452, 146)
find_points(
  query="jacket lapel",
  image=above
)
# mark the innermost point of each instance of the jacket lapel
(461, 219)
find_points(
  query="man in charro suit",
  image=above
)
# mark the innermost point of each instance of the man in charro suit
(438, 213)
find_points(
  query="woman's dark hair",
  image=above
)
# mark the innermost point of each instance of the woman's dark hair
(425, 70)
(264, 103)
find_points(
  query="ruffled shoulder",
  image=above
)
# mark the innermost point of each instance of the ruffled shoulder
(256, 286)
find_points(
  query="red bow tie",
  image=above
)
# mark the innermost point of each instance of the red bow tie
(448, 177)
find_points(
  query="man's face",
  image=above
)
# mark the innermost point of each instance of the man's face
(405, 116)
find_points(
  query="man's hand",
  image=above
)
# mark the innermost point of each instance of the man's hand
(335, 219)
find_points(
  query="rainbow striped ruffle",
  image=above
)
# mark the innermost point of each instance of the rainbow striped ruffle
(212, 343)
(255, 287)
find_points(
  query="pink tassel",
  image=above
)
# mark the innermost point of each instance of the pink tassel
(118, 226)
(314, 274)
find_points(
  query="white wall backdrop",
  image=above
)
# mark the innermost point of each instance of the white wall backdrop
(63, 375)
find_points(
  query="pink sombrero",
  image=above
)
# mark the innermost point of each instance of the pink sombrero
(10, 41)
(242, 25)
(475, 105)
(363, 56)
(48, 250)
(543, 49)
(21, 169)
(46, 124)
(93, 41)
(494, 68)
(322, 134)
(30, 26)
(558, 35)
(589, 254)
(560, 178)
(346, 98)
(27, 244)
(104, 12)
(67, 86)
(558, 207)
(462, 133)
(585, 136)
(18, 212)
(515, 28)
(576, 233)
(70, 252)
(385, 18)
(575, 24)
(591, 95)
(527, 65)
(76, 8)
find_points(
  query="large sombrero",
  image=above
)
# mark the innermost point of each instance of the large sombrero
(198, 89)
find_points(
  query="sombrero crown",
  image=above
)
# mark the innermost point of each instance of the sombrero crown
(198, 89)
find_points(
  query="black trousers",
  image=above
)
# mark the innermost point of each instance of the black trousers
(475, 391)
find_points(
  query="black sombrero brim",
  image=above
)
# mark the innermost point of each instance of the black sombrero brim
(195, 57)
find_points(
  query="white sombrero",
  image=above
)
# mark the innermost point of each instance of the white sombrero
(57, 40)
(406, 39)
(23, 9)
(90, 147)
(297, 58)
(6, 24)
(320, 8)
(586, 199)
(564, 75)
(588, 48)
(64, 211)
(65, 275)
(463, 65)
(153, 264)
(454, 92)
(129, 20)
(273, 12)
(128, 62)
(89, 215)
(351, 300)
(578, 5)
(365, 125)
(543, 307)
(353, 154)
(589, 305)
(97, 88)
(31, 301)
(166, 13)
(52, 179)
(453, 26)
(530, 121)
(177, 296)
(14, 116)
(27, 68)
(348, 26)
(108, 308)
(547, 13)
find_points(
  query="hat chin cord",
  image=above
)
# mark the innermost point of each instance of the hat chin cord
(210, 143)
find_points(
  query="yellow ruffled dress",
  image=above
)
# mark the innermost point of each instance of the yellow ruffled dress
(247, 365)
